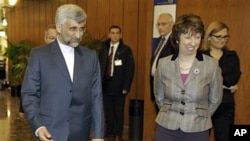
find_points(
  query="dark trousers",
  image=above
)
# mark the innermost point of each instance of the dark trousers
(163, 134)
(222, 119)
(114, 113)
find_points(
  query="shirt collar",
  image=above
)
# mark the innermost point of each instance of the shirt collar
(167, 35)
(63, 47)
(114, 45)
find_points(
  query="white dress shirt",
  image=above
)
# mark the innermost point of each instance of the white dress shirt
(113, 58)
(69, 57)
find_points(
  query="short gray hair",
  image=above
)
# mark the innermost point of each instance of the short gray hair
(70, 11)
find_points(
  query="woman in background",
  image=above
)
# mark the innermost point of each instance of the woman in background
(216, 38)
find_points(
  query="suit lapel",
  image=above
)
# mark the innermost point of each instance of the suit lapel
(119, 51)
(194, 71)
(78, 64)
(177, 74)
(59, 61)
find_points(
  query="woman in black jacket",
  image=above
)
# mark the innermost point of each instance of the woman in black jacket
(216, 38)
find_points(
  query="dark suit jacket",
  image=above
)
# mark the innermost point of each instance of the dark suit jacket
(68, 109)
(167, 50)
(123, 74)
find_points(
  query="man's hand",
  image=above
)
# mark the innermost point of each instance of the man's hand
(22, 115)
(44, 135)
(124, 92)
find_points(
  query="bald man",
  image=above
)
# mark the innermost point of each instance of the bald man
(164, 47)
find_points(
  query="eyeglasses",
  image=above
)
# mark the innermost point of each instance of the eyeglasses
(220, 37)
(162, 24)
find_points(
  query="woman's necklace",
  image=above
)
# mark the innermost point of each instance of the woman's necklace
(185, 69)
(185, 66)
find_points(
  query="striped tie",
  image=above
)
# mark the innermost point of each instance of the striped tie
(109, 64)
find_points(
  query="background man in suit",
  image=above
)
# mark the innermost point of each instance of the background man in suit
(117, 67)
(50, 35)
(163, 47)
(61, 91)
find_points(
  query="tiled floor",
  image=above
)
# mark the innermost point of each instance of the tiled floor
(14, 128)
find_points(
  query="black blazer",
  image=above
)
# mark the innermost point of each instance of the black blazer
(230, 66)
(168, 49)
(123, 74)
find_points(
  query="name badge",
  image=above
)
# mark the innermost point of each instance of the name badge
(118, 62)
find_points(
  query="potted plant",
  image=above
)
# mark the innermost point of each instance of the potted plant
(18, 55)
(92, 43)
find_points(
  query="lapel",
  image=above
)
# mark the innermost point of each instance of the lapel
(59, 61)
(153, 51)
(156, 45)
(177, 74)
(192, 73)
(157, 48)
(119, 51)
(106, 52)
(196, 68)
(78, 63)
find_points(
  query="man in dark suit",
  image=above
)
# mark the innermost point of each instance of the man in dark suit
(50, 35)
(61, 91)
(117, 67)
(163, 45)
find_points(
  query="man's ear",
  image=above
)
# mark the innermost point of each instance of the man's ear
(58, 28)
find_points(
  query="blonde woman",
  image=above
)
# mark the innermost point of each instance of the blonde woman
(215, 41)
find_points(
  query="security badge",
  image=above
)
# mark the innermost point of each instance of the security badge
(118, 62)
